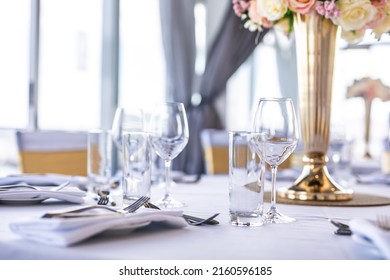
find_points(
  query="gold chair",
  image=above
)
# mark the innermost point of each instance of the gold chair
(60, 152)
(215, 144)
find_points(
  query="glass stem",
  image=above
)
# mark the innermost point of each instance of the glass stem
(262, 175)
(167, 178)
(274, 169)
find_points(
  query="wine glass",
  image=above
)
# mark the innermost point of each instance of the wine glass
(276, 123)
(169, 135)
(126, 120)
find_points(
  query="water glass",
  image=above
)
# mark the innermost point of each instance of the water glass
(340, 155)
(245, 181)
(137, 163)
(99, 160)
(385, 160)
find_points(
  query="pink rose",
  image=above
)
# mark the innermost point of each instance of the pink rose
(379, 17)
(379, 3)
(253, 12)
(240, 6)
(302, 6)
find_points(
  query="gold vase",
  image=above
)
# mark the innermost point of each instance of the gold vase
(316, 40)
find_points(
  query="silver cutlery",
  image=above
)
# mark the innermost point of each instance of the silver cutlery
(342, 229)
(75, 213)
(192, 220)
(136, 205)
(27, 186)
(72, 213)
(103, 198)
(383, 221)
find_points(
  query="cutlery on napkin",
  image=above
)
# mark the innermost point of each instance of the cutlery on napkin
(42, 180)
(37, 193)
(69, 231)
(370, 232)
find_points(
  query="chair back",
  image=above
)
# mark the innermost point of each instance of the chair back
(60, 152)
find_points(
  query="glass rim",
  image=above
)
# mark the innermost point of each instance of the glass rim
(275, 99)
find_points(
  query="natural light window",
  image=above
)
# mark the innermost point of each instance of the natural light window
(14, 66)
(70, 64)
(142, 66)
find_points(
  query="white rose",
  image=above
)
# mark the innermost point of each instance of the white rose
(283, 26)
(272, 9)
(353, 37)
(355, 14)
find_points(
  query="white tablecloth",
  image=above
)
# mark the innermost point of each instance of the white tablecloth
(311, 237)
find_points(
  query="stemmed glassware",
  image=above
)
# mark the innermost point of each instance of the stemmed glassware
(169, 135)
(276, 123)
(126, 120)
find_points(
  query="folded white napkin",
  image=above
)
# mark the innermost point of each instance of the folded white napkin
(374, 178)
(69, 231)
(365, 167)
(370, 232)
(22, 194)
(42, 179)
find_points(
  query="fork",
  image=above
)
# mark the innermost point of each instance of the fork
(383, 221)
(192, 220)
(129, 209)
(137, 204)
(103, 198)
(342, 229)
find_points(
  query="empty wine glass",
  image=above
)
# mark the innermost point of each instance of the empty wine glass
(126, 120)
(169, 135)
(276, 124)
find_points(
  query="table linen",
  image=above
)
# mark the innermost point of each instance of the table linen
(69, 231)
(310, 237)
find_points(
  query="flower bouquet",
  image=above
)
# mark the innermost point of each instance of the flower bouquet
(353, 16)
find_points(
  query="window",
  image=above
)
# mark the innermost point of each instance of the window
(14, 66)
(142, 66)
(368, 59)
(70, 64)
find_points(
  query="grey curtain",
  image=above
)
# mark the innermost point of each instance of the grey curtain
(231, 47)
(287, 67)
(178, 36)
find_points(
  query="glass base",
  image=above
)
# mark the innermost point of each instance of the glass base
(274, 217)
(241, 221)
(169, 202)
